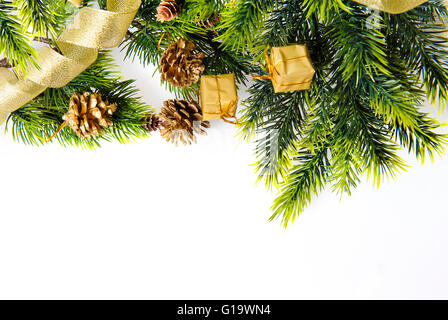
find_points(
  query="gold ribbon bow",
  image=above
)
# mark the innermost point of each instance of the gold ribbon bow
(91, 29)
(392, 6)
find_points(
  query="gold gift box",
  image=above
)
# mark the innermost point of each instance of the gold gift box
(290, 68)
(219, 98)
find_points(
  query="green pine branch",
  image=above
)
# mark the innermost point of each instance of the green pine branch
(39, 15)
(21, 21)
(148, 37)
(420, 38)
(306, 179)
(241, 21)
(364, 104)
(35, 122)
(14, 40)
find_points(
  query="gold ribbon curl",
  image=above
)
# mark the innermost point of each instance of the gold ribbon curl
(91, 29)
(392, 6)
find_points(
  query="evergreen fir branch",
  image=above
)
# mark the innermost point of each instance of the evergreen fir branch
(360, 130)
(346, 170)
(309, 175)
(241, 21)
(284, 120)
(423, 139)
(371, 97)
(40, 118)
(261, 95)
(39, 15)
(148, 38)
(146, 32)
(324, 8)
(286, 24)
(203, 9)
(14, 40)
(44, 18)
(419, 37)
(219, 60)
(366, 107)
(143, 45)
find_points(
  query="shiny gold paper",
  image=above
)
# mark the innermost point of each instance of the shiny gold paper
(90, 30)
(290, 68)
(219, 98)
(392, 6)
(76, 2)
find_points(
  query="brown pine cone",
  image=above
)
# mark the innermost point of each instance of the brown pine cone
(179, 66)
(168, 10)
(180, 120)
(151, 122)
(211, 21)
(88, 114)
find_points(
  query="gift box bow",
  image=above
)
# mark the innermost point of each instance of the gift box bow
(219, 98)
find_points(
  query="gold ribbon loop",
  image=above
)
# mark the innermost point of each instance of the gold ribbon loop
(161, 38)
(93, 28)
(226, 116)
(57, 70)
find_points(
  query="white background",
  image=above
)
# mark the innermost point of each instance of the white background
(151, 221)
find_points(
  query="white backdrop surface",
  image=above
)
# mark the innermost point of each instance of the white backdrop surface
(151, 221)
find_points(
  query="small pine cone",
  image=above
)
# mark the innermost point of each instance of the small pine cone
(180, 120)
(168, 10)
(212, 21)
(88, 114)
(179, 66)
(151, 122)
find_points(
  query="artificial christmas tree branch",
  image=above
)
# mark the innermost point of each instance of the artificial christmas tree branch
(40, 118)
(373, 72)
(363, 106)
(21, 21)
(4, 62)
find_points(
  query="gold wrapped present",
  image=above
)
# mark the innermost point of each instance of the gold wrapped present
(219, 98)
(290, 68)
(392, 6)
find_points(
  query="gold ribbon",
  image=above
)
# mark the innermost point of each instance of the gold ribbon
(269, 67)
(392, 6)
(225, 115)
(161, 38)
(91, 29)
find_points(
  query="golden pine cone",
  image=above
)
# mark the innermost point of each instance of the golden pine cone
(180, 120)
(88, 114)
(179, 66)
(168, 10)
